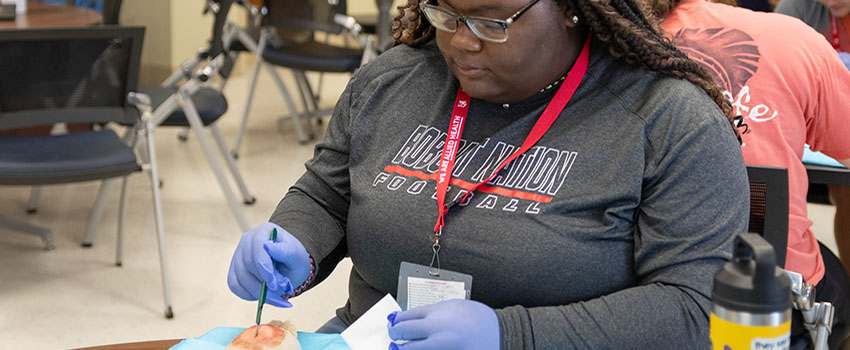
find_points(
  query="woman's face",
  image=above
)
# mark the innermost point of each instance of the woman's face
(541, 46)
(838, 8)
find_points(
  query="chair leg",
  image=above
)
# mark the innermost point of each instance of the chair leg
(234, 57)
(296, 119)
(153, 174)
(35, 195)
(247, 198)
(309, 111)
(307, 90)
(97, 212)
(119, 239)
(183, 135)
(45, 234)
(251, 88)
(185, 101)
(307, 94)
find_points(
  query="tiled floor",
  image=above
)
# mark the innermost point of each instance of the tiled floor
(74, 297)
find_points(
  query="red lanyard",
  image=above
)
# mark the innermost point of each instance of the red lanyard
(461, 107)
(833, 26)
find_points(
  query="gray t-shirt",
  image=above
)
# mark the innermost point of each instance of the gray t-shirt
(815, 14)
(605, 235)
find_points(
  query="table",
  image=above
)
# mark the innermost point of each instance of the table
(827, 175)
(145, 345)
(40, 15)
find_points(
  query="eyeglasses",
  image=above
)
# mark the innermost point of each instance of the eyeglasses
(489, 29)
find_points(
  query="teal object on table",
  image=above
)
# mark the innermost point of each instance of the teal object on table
(817, 158)
(219, 337)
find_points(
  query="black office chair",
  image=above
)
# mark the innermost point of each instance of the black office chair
(111, 11)
(769, 217)
(80, 75)
(769, 207)
(300, 50)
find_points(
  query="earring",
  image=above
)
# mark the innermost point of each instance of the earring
(575, 19)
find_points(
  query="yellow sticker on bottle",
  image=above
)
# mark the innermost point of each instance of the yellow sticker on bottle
(726, 335)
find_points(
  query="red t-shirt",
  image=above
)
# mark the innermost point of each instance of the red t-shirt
(789, 86)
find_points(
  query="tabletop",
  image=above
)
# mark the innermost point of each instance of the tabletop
(145, 345)
(827, 175)
(40, 15)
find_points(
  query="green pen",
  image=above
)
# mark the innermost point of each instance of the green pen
(263, 292)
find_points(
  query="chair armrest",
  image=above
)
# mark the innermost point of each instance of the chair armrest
(367, 42)
(205, 73)
(142, 102)
(349, 23)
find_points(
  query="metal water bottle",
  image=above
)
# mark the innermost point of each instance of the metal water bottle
(751, 307)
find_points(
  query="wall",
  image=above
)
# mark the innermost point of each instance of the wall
(176, 29)
(155, 16)
(190, 29)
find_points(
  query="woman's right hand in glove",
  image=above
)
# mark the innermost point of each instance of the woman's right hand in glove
(283, 265)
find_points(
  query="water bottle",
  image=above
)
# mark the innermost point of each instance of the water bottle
(751, 307)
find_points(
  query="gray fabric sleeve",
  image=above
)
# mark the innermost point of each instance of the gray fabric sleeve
(813, 13)
(695, 200)
(316, 207)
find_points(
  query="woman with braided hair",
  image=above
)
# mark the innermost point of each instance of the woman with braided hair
(519, 174)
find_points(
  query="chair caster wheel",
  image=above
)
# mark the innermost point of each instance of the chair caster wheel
(182, 137)
(168, 314)
(235, 155)
(161, 183)
(32, 210)
(250, 201)
(118, 263)
(86, 244)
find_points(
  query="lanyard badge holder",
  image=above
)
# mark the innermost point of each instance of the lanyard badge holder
(420, 285)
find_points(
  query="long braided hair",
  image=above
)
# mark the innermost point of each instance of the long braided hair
(623, 24)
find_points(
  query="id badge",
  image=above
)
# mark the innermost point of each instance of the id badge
(417, 287)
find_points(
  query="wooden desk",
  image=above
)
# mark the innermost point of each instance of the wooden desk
(145, 345)
(40, 15)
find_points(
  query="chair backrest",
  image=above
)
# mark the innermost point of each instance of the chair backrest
(111, 11)
(219, 20)
(68, 75)
(304, 15)
(769, 207)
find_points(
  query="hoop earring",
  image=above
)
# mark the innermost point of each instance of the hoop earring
(575, 19)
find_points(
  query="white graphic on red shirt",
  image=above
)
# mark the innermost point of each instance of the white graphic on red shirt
(731, 57)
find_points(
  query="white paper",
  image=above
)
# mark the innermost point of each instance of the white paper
(369, 332)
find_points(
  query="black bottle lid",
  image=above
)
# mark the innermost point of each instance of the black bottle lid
(752, 282)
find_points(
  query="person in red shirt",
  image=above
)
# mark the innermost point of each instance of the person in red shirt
(829, 17)
(782, 107)
(832, 19)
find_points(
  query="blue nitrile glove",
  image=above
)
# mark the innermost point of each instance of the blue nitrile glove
(845, 57)
(284, 265)
(448, 325)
